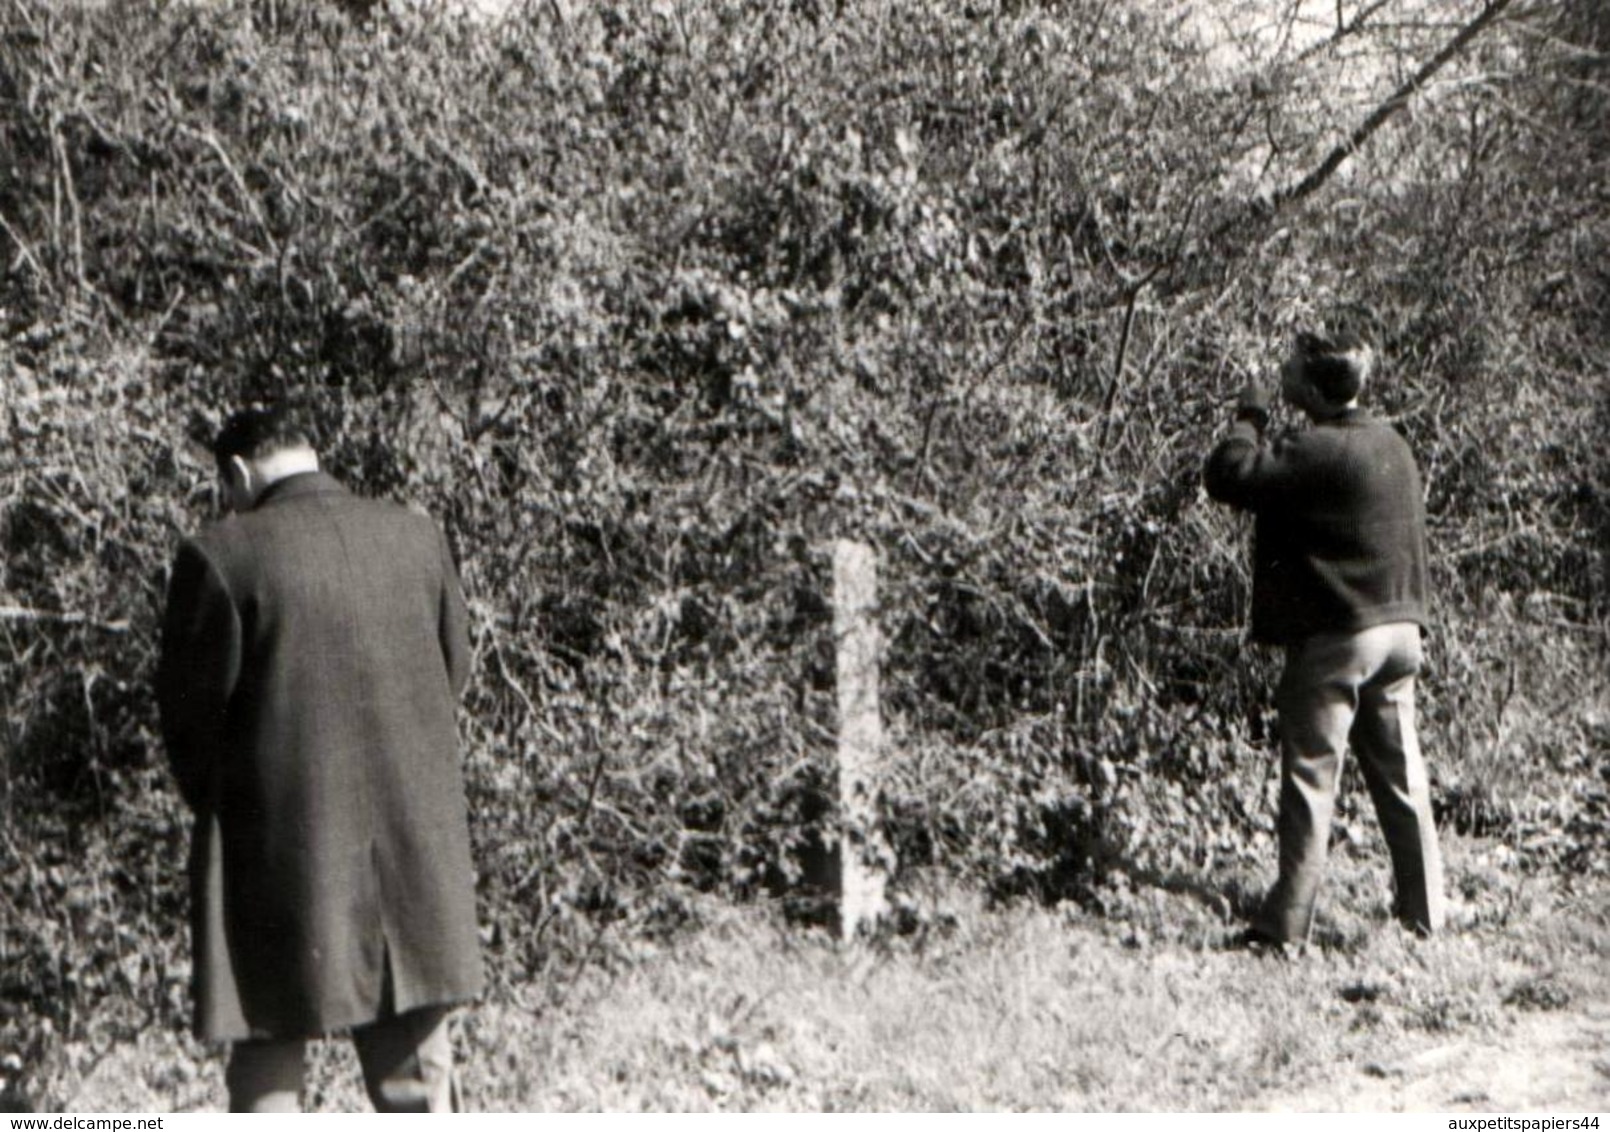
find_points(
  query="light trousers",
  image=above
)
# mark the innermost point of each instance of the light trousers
(1357, 689)
(407, 1064)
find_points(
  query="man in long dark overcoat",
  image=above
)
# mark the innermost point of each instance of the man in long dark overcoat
(313, 652)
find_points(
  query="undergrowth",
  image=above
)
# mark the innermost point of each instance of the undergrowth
(650, 302)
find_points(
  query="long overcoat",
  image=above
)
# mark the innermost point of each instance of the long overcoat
(313, 652)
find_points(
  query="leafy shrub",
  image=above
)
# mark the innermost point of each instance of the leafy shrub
(648, 302)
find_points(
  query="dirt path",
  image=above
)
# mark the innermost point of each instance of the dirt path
(1556, 1063)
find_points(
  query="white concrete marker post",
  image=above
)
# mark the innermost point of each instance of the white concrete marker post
(864, 856)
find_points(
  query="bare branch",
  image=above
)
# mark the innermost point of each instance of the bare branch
(210, 139)
(25, 252)
(1344, 29)
(75, 211)
(1400, 98)
(23, 613)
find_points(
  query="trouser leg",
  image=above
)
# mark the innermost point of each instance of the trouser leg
(408, 1062)
(265, 1076)
(1316, 712)
(1388, 749)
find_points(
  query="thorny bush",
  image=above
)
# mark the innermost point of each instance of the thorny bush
(650, 301)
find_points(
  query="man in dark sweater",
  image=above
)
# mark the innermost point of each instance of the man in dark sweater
(1339, 580)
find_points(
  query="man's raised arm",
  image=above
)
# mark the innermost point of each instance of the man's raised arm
(1242, 470)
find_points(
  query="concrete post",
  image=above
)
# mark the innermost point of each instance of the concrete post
(863, 854)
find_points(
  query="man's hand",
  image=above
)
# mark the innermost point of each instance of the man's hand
(1252, 404)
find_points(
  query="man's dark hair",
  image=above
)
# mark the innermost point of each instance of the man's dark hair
(1335, 365)
(254, 433)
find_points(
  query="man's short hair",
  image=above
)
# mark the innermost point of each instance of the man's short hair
(1336, 366)
(252, 434)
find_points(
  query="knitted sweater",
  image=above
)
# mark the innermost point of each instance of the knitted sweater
(1339, 543)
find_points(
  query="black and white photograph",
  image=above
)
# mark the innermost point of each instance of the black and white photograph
(805, 556)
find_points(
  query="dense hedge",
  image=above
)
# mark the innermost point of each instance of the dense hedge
(650, 301)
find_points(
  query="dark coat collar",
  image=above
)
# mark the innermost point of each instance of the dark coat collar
(297, 486)
(1355, 416)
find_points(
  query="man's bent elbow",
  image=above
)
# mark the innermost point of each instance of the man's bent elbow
(189, 774)
(1225, 481)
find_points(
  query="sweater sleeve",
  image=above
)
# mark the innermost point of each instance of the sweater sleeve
(1248, 473)
(198, 669)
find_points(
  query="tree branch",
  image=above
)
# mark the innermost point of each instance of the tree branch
(22, 613)
(1400, 98)
(1344, 29)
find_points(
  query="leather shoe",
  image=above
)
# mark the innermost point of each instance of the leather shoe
(1261, 943)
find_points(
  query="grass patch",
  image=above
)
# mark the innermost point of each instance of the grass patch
(1023, 1007)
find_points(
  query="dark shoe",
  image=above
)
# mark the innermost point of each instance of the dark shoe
(1261, 943)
